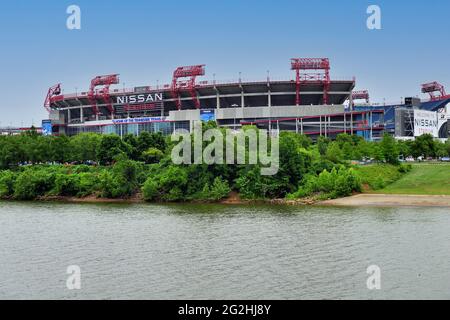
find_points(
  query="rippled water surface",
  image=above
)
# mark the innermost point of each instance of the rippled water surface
(222, 252)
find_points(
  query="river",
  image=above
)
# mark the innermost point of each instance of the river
(149, 251)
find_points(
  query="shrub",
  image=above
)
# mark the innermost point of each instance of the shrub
(405, 168)
(121, 181)
(87, 184)
(252, 185)
(169, 184)
(337, 183)
(220, 189)
(66, 184)
(7, 179)
(152, 155)
(31, 184)
(80, 185)
(150, 190)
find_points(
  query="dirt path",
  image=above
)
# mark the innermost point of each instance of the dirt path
(390, 200)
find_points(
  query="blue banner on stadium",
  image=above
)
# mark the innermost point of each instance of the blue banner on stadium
(207, 115)
(47, 127)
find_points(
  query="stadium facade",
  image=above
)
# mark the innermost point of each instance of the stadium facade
(413, 117)
(311, 103)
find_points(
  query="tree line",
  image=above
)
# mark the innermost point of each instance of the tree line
(34, 166)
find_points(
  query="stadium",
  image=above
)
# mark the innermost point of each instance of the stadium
(310, 103)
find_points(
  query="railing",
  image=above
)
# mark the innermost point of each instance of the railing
(199, 84)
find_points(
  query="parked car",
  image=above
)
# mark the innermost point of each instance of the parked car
(410, 159)
(445, 159)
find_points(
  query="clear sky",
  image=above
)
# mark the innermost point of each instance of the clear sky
(145, 41)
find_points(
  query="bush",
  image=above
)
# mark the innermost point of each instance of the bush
(32, 184)
(88, 183)
(150, 190)
(7, 180)
(405, 168)
(220, 189)
(346, 183)
(120, 181)
(168, 184)
(252, 185)
(152, 155)
(66, 185)
(79, 185)
(337, 183)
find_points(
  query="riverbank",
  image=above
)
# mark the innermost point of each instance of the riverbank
(381, 185)
(233, 199)
(359, 200)
(389, 200)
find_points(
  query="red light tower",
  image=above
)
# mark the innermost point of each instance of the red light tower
(105, 81)
(304, 64)
(433, 87)
(52, 92)
(191, 72)
(361, 95)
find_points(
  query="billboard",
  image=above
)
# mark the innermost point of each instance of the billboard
(426, 122)
(207, 115)
(47, 127)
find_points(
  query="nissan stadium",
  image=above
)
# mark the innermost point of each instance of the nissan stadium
(310, 103)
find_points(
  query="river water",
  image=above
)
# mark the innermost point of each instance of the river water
(222, 252)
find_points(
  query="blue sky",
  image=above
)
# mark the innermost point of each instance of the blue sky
(145, 40)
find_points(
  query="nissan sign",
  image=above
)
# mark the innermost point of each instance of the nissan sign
(426, 122)
(140, 98)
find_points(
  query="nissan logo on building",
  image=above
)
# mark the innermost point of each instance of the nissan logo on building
(140, 98)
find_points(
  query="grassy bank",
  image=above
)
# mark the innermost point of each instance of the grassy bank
(423, 179)
(378, 176)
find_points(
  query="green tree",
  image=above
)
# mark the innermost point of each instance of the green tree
(83, 147)
(148, 140)
(334, 152)
(389, 149)
(111, 147)
(424, 146)
(132, 141)
(322, 145)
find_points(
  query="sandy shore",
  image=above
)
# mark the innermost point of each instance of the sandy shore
(390, 200)
(360, 200)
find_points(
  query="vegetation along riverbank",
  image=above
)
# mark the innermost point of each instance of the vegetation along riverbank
(91, 167)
